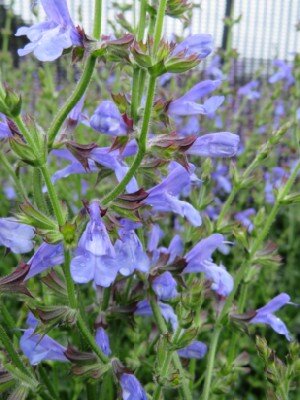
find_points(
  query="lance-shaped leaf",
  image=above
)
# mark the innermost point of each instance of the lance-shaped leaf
(56, 315)
(53, 281)
(31, 216)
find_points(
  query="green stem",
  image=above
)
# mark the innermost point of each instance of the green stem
(69, 281)
(97, 19)
(16, 360)
(135, 93)
(47, 381)
(53, 196)
(79, 91)
(210, 363)
(159, 25)
(27, 135)
(142, 146)
(164, 330)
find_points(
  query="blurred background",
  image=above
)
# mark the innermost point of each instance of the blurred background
(263, 30)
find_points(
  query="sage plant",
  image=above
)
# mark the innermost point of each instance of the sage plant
(139, 283)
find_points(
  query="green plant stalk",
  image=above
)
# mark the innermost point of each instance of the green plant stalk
(38, 194)
(164, 330)
(27, 135)
(69, 281)
(240, 276)
(16, 360)
(82, 84)
(142, 143)
(47, 382)
(159, 25)
(9, 169)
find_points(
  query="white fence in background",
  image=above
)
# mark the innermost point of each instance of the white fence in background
(267, 29)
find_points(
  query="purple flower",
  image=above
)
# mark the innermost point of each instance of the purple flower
(249, 91)
(50, 38)
(195, 350)
(144, 309)
(200, 45)
(17, 237)
(192, 127)
(108, 119)
(46, 256)
(102, 341)
(95, 255)
(265, 315)
(284, 73)
(213, 70)
(131, 388)
(243, 218)
(164, 196)
(220, 176)
(199, 259)
(129, 252)
(221, 144)
(187, 104)
(41, 347)
(165, 286)
(274, 180)
(4, 129)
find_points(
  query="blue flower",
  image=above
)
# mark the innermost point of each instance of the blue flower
(4, 129)
(102, 341)
(165, 286)
(265, 315)
(131, 388)
(200, 45)
(17, 237)
(187, 104)
(50, 38)
(46, 256)
(199, 259)
(129, 251)
(164, 196)
(249, 91)
(221, 144)
(195, 350)
(108, 119)
(284, 73)
(95, 255)
(243, 218)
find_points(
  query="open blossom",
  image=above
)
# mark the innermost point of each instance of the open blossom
(221, 144)
(200, 45)
(196, 350)
(46, 256)
(108, 119)
(102, 341)
(164, 286)
(131, 388)
(38, 347)
(17, 237)
(187, 104)
(265, 315)
(199, 259)
(129, 251)
(49, 39)
(164, 196)
(95, 254)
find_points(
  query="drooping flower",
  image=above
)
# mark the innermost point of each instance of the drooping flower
(213, 145)
(195, 350)
(131, 388)
(164, 196)
(199, 259)
(95, 254)
(46, 256)
(108, 119)
(38, 347)
(102, 341)
(49, 39)
(265, 315)
(17, 237)
(187, 104)
(165, 286)
(243, 218)
(129, 251)
(200, 45)
(144, 309)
